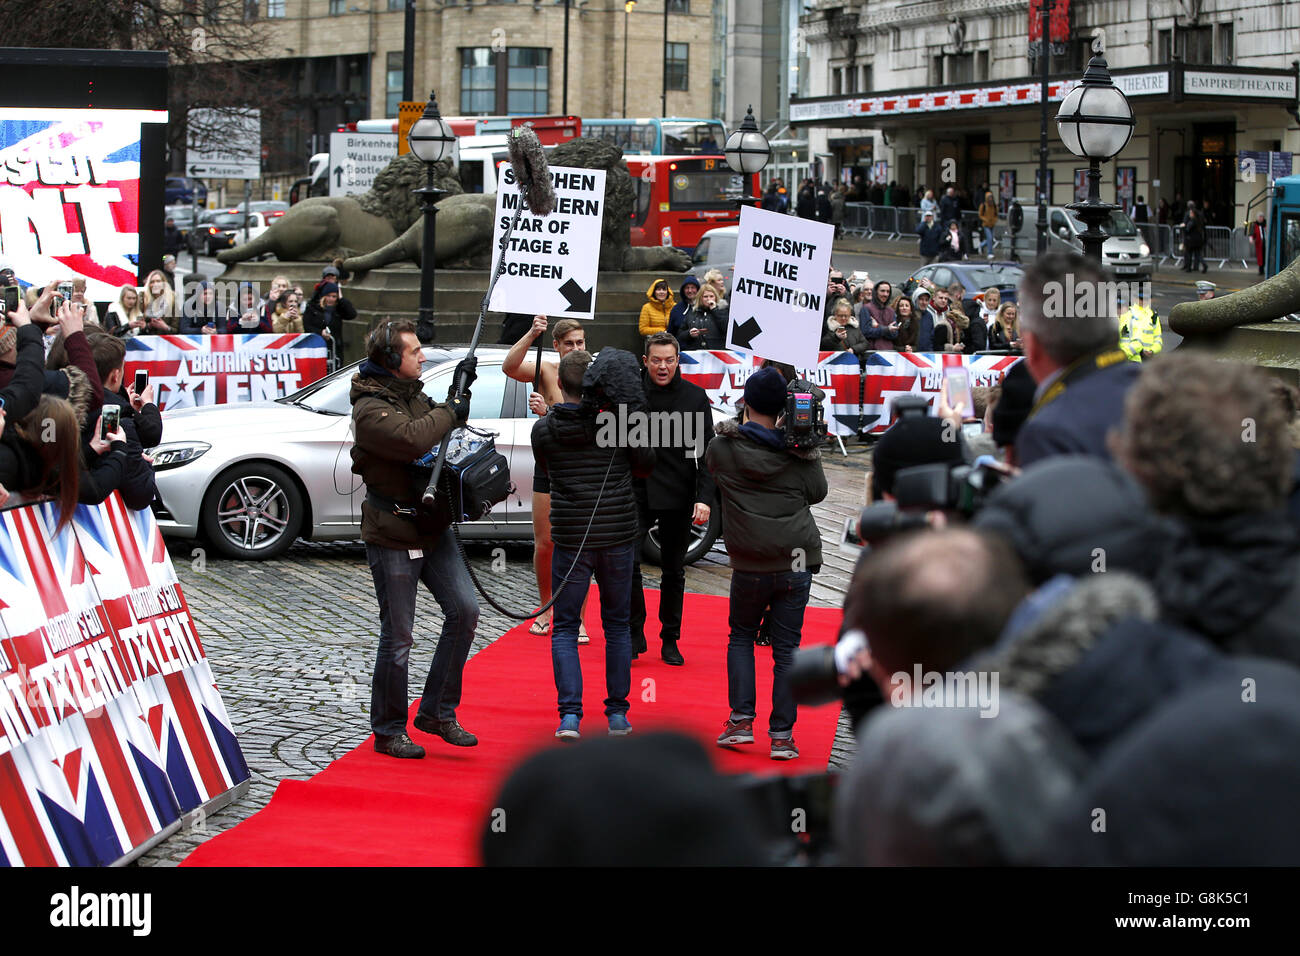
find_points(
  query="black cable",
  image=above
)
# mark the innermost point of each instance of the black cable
(460, 546)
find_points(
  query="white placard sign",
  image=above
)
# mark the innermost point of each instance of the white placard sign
(224, 145)
(551, 262)
(357, 158)
(778, 299)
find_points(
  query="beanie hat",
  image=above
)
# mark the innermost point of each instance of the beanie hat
(912, 441)
(326, 288)
(1014, 406)
(765, 392)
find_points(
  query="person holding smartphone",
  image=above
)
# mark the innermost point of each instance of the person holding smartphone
(133, 408)
(287, 316)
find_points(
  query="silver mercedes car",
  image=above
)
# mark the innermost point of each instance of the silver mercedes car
(251, 478)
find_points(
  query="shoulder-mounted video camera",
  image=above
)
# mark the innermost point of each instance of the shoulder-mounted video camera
(804, 422)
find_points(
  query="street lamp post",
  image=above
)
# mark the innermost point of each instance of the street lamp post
(1045, 59)
(430, 139)
(1095, 122)
(747, 152)
(627, 10)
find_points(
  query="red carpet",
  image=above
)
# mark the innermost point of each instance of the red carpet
(370, 810)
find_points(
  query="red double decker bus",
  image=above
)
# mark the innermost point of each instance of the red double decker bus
(679, 198)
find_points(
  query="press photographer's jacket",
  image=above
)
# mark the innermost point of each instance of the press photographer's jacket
(565, 448)
(766, 492)
(394, 424)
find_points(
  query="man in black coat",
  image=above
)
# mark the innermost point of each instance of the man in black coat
(931, 234)
(594, 526)
(678, 493)
(1071, 338)
(140, 418)
(949, 207)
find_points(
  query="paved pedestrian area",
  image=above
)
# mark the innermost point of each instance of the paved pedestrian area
(292, 643)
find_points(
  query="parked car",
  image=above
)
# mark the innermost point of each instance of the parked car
(975, 276)
(716, 250)
(222, 229)
(181, 189)
(255, 476)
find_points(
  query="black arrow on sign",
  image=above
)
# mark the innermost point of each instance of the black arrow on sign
(338, 176)
(742, 335)
(195, 170)
(579, 298)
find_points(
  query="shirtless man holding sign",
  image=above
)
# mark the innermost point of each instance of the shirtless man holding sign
(519, 365)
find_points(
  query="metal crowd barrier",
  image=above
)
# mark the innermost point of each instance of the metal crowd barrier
(868, 221)
(1160, 239)
(1218, 244)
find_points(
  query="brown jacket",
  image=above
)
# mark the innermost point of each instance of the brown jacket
(394, 423)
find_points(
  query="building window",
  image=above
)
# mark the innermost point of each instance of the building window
(393, 77)
(527, 80)
(211, 11)
(396, 4)
(867, 84)
(679, 6)
(981, 66)
(336, 7)
(1225, 42)
(675, 66)
(478, 82)
(516, 81)
(275, 8)
(1192, 44)
(837, 82)
(961, 68)
(250, 10)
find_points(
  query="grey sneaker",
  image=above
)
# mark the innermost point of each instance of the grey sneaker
(783, 748)
(399, 746)
(736, 732)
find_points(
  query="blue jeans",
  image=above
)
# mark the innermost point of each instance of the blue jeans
(397, 577)
(786, 594)
(988, 240)
(613, 570)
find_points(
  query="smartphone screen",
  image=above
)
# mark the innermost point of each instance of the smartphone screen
(11, 296)
(109, 422)
(141, 381)
(956, 383)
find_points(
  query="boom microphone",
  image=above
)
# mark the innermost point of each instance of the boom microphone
(531, 171)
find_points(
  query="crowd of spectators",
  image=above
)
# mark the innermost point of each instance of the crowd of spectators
(59, 371)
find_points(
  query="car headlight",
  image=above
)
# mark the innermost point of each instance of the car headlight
(1144, 249)
(177, 453)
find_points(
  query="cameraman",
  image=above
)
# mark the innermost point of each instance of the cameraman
(396, 423)
(766, 493)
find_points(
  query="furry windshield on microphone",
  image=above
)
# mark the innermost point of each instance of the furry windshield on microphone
(531, 171)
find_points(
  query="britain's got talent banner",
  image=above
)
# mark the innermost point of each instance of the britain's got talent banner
(193, 370)
(857, 393)
(111, 726)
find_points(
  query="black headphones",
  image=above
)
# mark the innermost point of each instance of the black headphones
(391, 357)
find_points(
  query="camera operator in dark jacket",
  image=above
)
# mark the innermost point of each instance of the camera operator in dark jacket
(395, 423)
(766, 492)
(678, 493)
(593, 521)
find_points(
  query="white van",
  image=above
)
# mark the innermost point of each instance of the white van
(1125, 252)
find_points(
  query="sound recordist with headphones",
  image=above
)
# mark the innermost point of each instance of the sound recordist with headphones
(394, 424)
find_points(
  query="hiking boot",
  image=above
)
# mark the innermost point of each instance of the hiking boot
(449, 730)
(568, 727)
(399, 746)
(783, 748)
(737, 732)
(618, 725)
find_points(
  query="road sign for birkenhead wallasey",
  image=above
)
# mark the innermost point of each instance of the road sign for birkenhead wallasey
(551, 261)
(779, 293)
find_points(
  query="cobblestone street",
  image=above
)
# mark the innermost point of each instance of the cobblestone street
(292, 642)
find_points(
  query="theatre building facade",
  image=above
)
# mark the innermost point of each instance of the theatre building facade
(949, 93)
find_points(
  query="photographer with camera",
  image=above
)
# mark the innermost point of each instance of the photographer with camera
(593, 524)
(395, 423)
(766, 493)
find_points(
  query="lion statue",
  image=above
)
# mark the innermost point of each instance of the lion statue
(330, 227)
(464, 224)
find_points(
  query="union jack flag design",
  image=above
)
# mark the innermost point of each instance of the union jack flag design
(94, 785)
(857, 394)
(70, 199)
(111, 723)
(188, 371)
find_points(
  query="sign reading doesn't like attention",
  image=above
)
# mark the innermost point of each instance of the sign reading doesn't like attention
(551, 261)
(779, 296)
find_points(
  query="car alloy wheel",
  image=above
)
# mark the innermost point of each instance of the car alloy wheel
(700, 543)
(253, 511)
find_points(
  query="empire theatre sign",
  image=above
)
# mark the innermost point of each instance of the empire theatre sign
(1175, 82)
